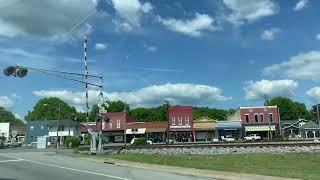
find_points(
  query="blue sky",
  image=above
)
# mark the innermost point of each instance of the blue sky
(223, 54)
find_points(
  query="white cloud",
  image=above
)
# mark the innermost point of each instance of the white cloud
(6, 102)
(192, 27)
(131, 12)
(28, 58)
(314, 93)
(45, 18)
(318, 36)
(270, 34)
(151, 48)
(301, 5)
(122, 26)
(302, 66)
(272, 88)
(191, 94)
(249, 10)
(101, 46)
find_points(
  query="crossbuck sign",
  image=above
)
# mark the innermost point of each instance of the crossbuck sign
(103, 100)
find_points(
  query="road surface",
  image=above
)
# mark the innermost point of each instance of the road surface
(31, 165)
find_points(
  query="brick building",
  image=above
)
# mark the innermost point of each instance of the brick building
(255, 120)
(180, 124)
(114, 131)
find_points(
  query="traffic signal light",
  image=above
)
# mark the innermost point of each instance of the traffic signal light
(15, 71)
(9, 70)
(22, 72)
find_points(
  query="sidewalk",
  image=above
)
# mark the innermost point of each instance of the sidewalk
(187, 171)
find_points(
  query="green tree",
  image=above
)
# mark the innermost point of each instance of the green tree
(290, 110)
(50, 112)
(114, 106)
(150, 114)
(7, 116)
(213, 113)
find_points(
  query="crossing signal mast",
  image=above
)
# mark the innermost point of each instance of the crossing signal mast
(22, 71)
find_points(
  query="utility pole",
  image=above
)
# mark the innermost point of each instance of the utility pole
(268, 118)
(318, 118)
(168, 106)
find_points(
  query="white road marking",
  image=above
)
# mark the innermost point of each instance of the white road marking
(11, 160)
(61, 167)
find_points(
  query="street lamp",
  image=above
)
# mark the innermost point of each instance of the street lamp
(59, 110)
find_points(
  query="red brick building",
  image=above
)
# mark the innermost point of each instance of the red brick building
(256, 120)
(114, 130)
(180, 123)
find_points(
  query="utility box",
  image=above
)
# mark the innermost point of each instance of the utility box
(41, 142)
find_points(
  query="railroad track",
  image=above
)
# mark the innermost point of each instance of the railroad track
(217, 145)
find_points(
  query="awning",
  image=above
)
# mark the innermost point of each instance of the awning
(136, 131)
(260, 128)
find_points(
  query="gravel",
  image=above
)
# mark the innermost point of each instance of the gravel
(230, 150)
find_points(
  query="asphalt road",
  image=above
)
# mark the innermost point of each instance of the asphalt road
(43, 165)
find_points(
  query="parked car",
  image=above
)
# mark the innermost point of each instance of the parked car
(32, 145)
(13, 144)
(228, 138)
(215, 139)
(134, 139)
(252, 137)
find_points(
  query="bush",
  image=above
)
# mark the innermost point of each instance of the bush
(75, 142)
(86, 139)
(140, 141)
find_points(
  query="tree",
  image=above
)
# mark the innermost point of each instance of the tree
(150, 114)
(220, 114)
(7, 116)
(50, 112)
(114, 106)
(290, 110)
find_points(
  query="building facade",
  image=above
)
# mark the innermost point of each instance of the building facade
(114, 131)
(35, 129)
(153, 130)
(205, 129)
(230, 127)
(260, 120)
(180, 124)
